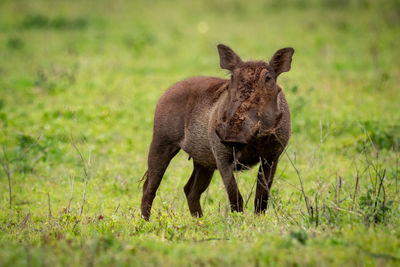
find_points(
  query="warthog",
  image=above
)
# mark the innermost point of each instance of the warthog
(222, 124)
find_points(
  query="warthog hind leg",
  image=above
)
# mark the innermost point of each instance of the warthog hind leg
(159, 158)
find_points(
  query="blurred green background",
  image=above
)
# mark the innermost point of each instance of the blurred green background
(90, 73)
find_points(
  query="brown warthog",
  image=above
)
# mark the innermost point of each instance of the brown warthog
(222, 124)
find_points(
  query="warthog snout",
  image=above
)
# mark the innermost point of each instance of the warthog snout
(237, 136)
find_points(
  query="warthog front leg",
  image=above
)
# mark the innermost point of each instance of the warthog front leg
(235, 198)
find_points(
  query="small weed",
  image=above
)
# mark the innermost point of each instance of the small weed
(40, 21)
(300, 236)
(15, 43)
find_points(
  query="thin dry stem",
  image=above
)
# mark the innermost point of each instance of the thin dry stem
(86, 167)
(70, 195)
(205, 197)
(301, 183)
(251, 192)
(381, 188)
(116, 209)
(265, 186)
(48, 199)
(397, 170)
(6, 166)
(316, 209)
(355, 187)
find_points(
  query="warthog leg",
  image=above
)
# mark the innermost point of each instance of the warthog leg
(235, 198)
(159, 157)
(197, 184)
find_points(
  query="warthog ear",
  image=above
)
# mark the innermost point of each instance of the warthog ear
(282, 60)
(227, 58)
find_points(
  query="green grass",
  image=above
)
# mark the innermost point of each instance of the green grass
(91, 72)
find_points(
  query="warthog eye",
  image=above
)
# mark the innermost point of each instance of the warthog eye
(268, 78)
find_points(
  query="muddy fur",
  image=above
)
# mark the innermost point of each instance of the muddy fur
(212, 118)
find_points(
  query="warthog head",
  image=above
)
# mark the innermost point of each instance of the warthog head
(252, 107)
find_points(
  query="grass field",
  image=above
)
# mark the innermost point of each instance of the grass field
(82, 78)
